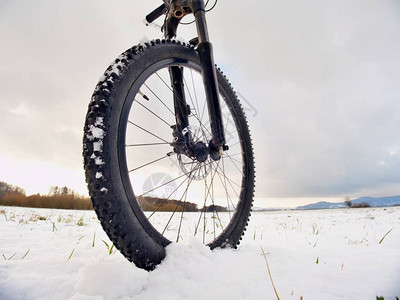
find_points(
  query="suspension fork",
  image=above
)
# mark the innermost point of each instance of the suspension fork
(209, 75)
(208, 72)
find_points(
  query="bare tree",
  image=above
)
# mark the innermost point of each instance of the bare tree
(347, 201)
(6, 188)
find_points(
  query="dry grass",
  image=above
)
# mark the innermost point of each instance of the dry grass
(269, 273)
(68, 201)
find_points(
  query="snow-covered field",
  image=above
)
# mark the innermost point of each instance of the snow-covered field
(327, 254)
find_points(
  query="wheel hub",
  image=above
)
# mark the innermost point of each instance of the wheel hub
(183, 143)
(194, 151)
(200, 151)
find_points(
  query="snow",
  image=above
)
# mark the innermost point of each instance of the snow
(98, 161)
(96, 132)
(98, 146)
(145, 39)
(117, 66)
(99, 121)
(60, 254)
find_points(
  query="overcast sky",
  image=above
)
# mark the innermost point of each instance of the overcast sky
(320, 81)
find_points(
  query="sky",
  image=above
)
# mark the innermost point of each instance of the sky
(319, 81)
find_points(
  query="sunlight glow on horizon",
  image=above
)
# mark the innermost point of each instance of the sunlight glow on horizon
(38, 177)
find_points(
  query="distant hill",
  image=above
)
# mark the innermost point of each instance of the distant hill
(379, 202)
(373, 202)
(322, 205)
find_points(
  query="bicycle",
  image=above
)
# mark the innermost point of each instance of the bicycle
(163, 107)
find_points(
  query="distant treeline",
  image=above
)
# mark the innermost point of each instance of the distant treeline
(65, 198)
(6, 188)
(160, 204)
(58, 197)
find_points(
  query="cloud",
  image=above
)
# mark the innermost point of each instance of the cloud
(324, 80)
(322, 77)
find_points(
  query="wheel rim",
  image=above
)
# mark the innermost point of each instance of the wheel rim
(163, 187)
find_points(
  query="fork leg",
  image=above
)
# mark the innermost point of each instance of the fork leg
(209, 75)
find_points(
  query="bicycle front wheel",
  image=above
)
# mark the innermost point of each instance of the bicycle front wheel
(145, 194)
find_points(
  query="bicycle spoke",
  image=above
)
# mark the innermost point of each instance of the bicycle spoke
(191, 98)
(202, 113)
(230, 183)
(215, 211)
(159, 99)
(176, 207)
(148, 144)
(149, 163)
(226, 190)
(213, 202)
(229, 199)
(236, 154)
(207, 193)
(166, 84)
(204, 215)
(194, 90)
(166, 199)
(157, 187)
(202, 211)
(233, 161)
(181, 218)
(136, 101)
(145, 130)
